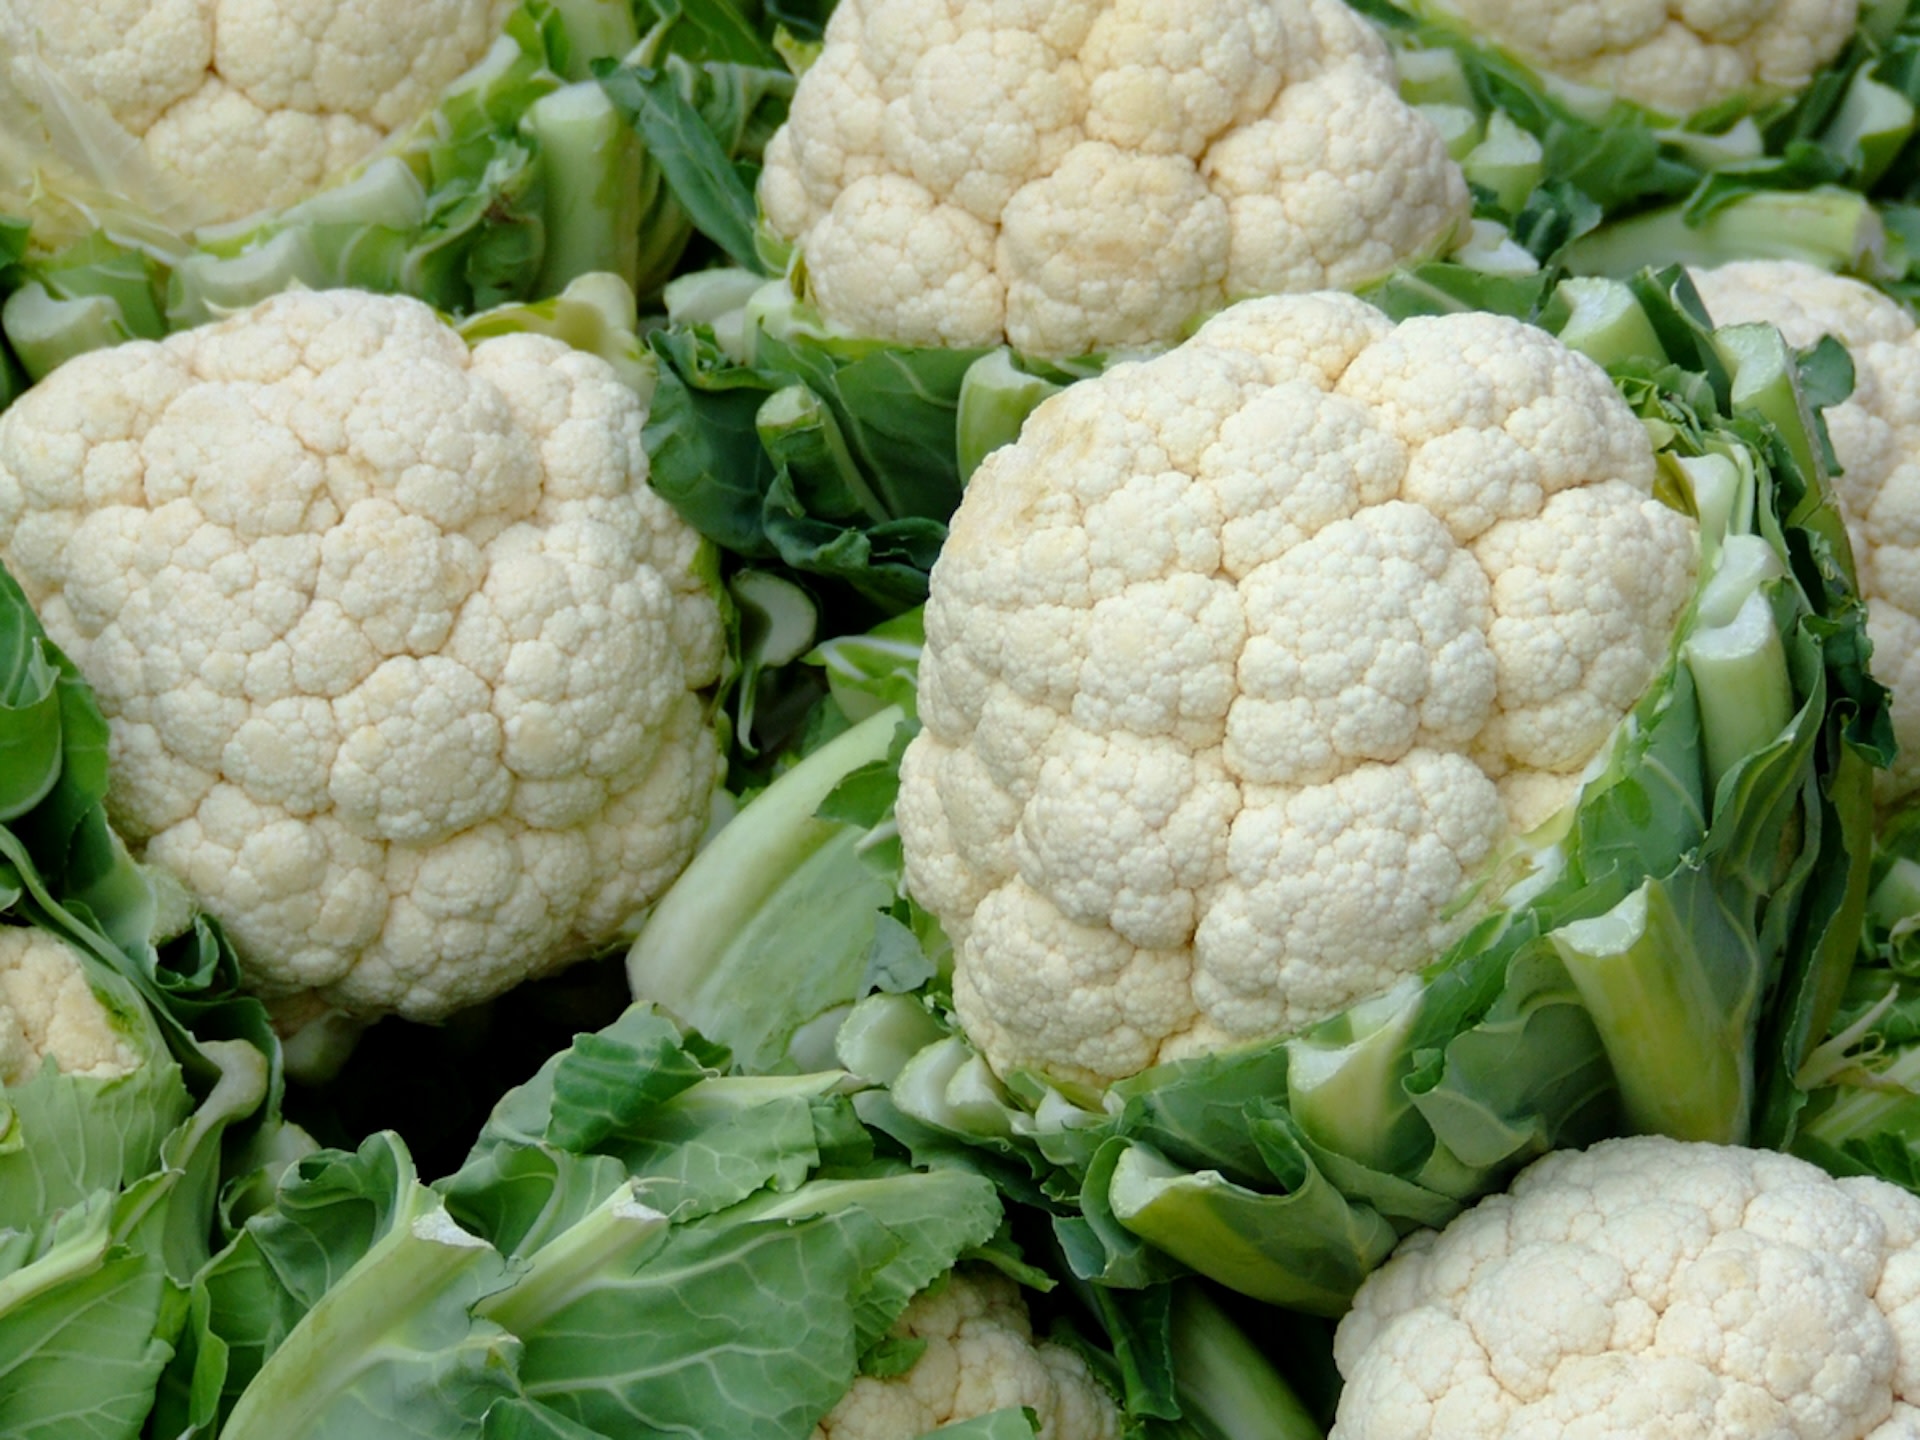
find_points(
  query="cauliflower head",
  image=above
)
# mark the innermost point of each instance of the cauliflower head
(1876, 439)
(399, 654)
(1672, 56)
(1647, 1289)
(980, 1357)
(49, 1011)
(1243, 660)
(1074, 175)
(253, 104)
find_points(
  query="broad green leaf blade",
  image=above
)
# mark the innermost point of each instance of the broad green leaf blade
(84, 1332)
(384, 1284)
(892, 462)
(518, 1419)
(752, 1322)
(600, 1083)
(703, 442)
(88, 1326)
(518, 1197)
(934, 1218)
(595, 1094)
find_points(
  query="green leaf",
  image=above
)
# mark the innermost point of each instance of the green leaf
(897, 964)
(1012, 1423)
(705, 29)
(697, 167)
(518, 1197)
(703, 442)
(893, 1356)
(1307, 1249)
(769, 928)
(82, 1333)
(933, 1217)
(870, 671)
(604, 1085)
(1532, 1076)
(594, 1087)
(864, 797)
(384, 1285)
(1826, 373)
(747, 1321)
(31, 737)
(722, 1142)
(518, 1419)
(858, 493)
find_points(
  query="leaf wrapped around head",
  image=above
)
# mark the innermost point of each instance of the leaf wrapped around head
(1704, 869)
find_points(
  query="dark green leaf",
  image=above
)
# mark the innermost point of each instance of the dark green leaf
(696, 165)
(896, 964)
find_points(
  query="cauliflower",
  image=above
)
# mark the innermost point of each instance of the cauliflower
(1673, 56)
(1245, 660)
(980, 1357)
(253, 103)
(400, 655)
(1876, 438)
(1074, 176)
(1647, 1288)
(49, 1011)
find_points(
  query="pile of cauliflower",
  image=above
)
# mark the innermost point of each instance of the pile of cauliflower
(1245, 668)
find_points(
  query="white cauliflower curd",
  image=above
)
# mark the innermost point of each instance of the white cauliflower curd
(980, 1356)
(1876, 439)
(49, 1011)
(400, 655)
(1647, 1289)
(1243, 660)
(1672, 56)
(251, 104)
(1071, 175)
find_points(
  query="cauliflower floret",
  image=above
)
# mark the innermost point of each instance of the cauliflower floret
(1244, 660)
(254, 104)
(980, 1357)
(1876, 438)
(48, 1011)
(1673, 56)
(1647, 1288)
(400, 655)
(1097, 174)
